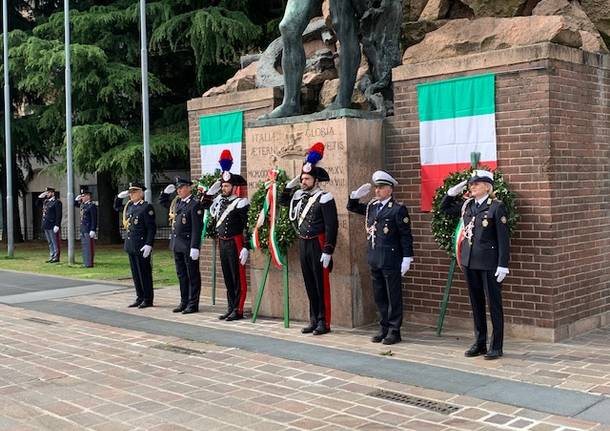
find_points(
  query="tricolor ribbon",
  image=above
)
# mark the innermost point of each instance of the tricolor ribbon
(206, 216)
(269, 208)
(458, 236)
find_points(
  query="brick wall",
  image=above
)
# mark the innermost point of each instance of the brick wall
(253, 103)
(553, 126)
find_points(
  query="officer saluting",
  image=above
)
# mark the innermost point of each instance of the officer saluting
(390, 250)
(186, 221)
(51, 223)
(483, 256)
(88, 225)
(314, 213)
(140, 228)
(231, 215)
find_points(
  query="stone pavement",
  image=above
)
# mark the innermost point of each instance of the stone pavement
(58, 372)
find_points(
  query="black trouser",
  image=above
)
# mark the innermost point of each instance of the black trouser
(316, 281)
(189, 277)
(483, 283)
(387, 292)
(234, 273)
(141, 271)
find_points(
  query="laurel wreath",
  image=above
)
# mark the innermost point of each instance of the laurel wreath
(443, 226)
(286, 234)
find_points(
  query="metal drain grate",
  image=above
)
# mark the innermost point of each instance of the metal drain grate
(41, 321)
(423, 403)
(178, 349)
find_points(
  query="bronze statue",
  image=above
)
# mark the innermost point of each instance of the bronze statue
(379, 23)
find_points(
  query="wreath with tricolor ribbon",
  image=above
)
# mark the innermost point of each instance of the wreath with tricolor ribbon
(448, 231)
(269, 223)
(203, 184)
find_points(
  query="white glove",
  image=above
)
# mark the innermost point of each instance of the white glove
(501, 273)
(92, 234)
(361, 191)
(55, 229)
(457, 189)
(405, 265)
(243, 256)
(78, 198)
(214, 188)
(146, 250)
(325, 259)
(169, 189)
(123, 194)
(42, 195)
(194, 253)
(294, 182)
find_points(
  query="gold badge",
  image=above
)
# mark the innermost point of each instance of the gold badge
(485, 223)
(385, 230)
(151, 212)
(489, 201)
(406, 220)
(503, 219)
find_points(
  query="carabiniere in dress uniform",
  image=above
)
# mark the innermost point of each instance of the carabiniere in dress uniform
(314, 214)
(230, 213)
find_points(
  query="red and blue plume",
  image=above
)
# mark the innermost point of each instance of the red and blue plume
(226, 160)
(315, 153)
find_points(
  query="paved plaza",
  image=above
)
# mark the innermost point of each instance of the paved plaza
(73, 357)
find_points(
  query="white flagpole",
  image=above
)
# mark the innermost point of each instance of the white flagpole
(145, 117)
(70, 173)
(8, 159)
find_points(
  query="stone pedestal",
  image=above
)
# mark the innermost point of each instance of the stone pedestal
(353, 151)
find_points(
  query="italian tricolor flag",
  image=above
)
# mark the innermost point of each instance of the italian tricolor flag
(219, 132)
(456, 117)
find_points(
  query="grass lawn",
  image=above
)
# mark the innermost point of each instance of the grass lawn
(111, 262)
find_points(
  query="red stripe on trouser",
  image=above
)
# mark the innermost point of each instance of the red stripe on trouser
(92, 249)
(326, 284)
(243, 287)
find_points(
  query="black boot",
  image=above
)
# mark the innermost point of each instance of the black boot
(234, 316)
(475, 350)
(321, 328)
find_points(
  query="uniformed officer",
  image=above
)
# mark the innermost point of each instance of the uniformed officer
(314, 213)
(231, 215)
(88, 225)
(186, 221)
(140, 228)
(51, 223)
(390, 250)
(483, 256)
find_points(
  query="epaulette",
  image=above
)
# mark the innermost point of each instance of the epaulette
(326, 197)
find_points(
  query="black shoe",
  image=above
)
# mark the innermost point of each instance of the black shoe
(54, 261)
(49, 260)
(145, 304)
(179, 309)
(321, 329)
(234, 316)
(493, 354)
(135, 304)
(190, 310)
(309, 328)
(392, 338)
(475, 350)
(379, 337)
(224, 316)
